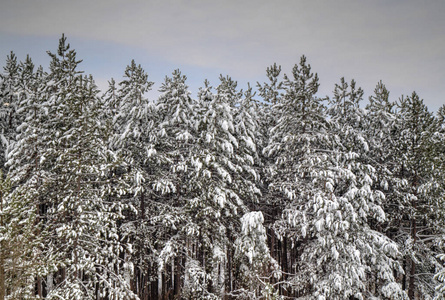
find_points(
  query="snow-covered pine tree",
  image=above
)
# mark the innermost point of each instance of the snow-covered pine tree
(256, 266)
(133, 122)
(176, 139)
(23, 160)
(270, 92)
(296, 146)
(382, 133)
(9, 91)
(246, 121)
(224, 180)
(380, 129)
(249, 131)
(22, 208)
(418, 193)
(110, 101)
(367, 250)
(440, 177)
(20, 260)
(229, 89)
(246, 116)
(271, 199)
(330, 202)
(62, 155)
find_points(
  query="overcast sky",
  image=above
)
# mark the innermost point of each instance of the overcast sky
(401, 42)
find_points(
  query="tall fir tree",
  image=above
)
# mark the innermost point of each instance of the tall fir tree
(418, 193)
(70, 179)
(347, 206)
(134, 138)
(176, 140)
(9, 91)
(223, 179)
(440, 176)
(296, 141)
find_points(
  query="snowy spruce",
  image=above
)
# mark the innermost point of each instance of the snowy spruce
(259, 193)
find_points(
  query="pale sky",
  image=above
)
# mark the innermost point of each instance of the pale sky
(401, 42)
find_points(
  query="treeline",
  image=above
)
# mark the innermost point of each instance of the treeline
(231, 194)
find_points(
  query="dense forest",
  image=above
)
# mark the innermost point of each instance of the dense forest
(232, 194)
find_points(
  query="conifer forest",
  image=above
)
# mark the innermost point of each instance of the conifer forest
(266, 192)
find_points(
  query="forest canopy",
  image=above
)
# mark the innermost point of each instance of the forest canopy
(265, 193)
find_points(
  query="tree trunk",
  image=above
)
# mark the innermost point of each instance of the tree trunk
(229, 262)
(127, 274)
(142, 206)
(404, 274)
(412, 273)
(39, 287)
(177, 278)
(2, 274)
(2, 258)
(49, 282)
(284, 261)
(160, 285)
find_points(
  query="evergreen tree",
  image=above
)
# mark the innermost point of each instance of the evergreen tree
(26, 175)
(133, 121)
(71, 180)
(110, 101)
(253, 255)
(343, 207)
(9, 90)
(223, 180)
(176, 139)
(299, 116)
(440, 177)
(380, 131)
(418, 193)
(296, 143)
(249, 131)
(21, 260)
(270, 92)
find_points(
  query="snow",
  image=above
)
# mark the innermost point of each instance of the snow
(193, 187)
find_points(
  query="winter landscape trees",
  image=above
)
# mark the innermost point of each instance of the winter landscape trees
(226, 195)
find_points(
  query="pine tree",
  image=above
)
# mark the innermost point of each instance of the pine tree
(271, 199)
(418, 193)
(249, 131)
(330, 196)
(299, 116)
(176, 139)
(295, 145)
(440, 177)
(270, 92)
(133, 121)
(70, 177)
(344, 205)
(257, 267)
(20, 259)
(380, 129)
(110, 101)
(26, 175)
(9, 91)
(223, 180)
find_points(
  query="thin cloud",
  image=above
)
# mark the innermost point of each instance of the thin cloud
(398, 41)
